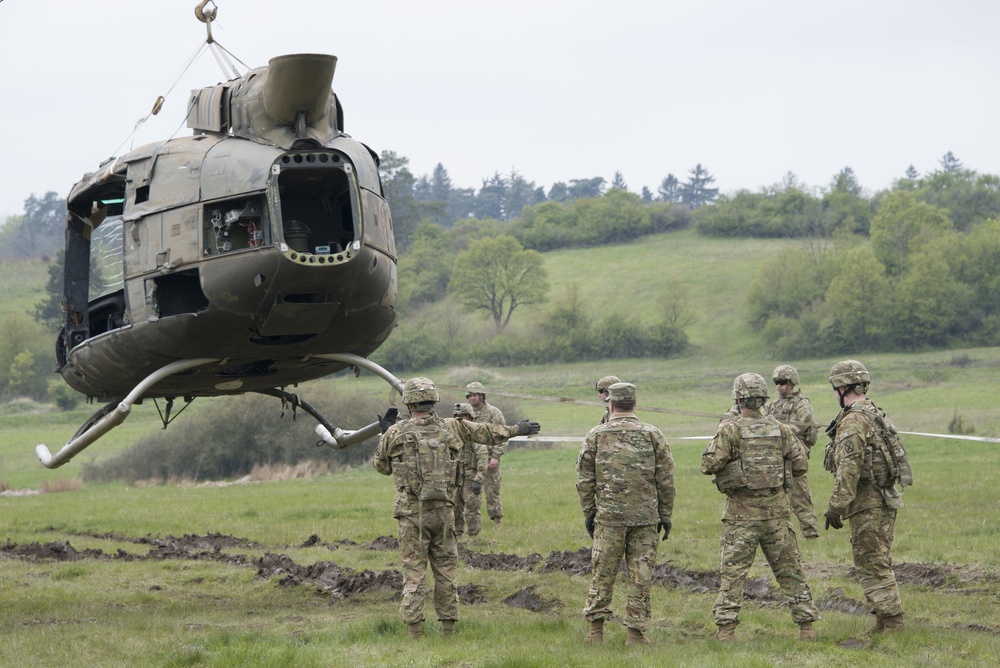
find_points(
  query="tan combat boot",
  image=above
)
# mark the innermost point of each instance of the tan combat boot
(726, 633)
(635, 637)
(596, 633)
(893, 624)
(415, 630)
(806, 631)
(448, 627)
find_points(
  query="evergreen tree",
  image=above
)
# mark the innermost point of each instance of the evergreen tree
(670, 189)
(696, 191)
(949, 163)
(619, 181)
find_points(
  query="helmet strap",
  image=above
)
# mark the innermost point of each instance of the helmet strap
(841, 393)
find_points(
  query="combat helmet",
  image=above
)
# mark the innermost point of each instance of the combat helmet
(749, 385)
(606, 382)
(785, 372)
(849, 372)
(475, 387)
(420, 390)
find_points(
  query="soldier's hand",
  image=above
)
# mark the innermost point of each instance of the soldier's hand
(833, 520)
(664, 526)
(588, 522)
(527, 427)
(389, 419)
(477, 487)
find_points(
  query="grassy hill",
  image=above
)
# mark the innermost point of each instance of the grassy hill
(22, 285)
(296, 572)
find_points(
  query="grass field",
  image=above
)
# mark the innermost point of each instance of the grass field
(295, 573)
(203, 592)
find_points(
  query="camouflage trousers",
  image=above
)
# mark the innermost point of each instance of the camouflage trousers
(872, 532)
(802, 505)
(467, 505)
(739, 547)
(428, 537)
(491, 487)
(638, 546)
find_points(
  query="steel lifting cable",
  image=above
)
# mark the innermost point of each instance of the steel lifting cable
(222, 58)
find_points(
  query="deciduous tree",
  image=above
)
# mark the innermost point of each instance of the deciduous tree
(498, 275)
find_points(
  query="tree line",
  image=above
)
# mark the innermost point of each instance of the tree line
(914, 266)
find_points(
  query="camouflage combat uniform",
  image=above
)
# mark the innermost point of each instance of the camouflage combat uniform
(871, 513)
(796, 411)
(490, 414)
(625, 474)
(474, 458)
(425, 511)
(751, 456)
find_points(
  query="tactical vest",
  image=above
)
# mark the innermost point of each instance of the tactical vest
(429, 466)
(889, 463)
(759, 464)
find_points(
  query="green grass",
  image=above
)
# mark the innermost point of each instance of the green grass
(183, 612)
(22, 285)
(204, 612)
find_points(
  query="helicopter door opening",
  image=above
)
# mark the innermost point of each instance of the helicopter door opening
(318, 200)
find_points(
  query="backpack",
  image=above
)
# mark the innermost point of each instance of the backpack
(431, 461)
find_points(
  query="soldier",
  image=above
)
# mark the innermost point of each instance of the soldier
(753, 458)
(422, 454)
(864, 489)
(793, 409)
(602, 391)
(468, 494)
(487, 414)
(625, 478)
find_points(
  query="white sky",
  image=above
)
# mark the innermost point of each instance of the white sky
(556, 89)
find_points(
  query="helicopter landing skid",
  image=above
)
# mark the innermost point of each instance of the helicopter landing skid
(112, 418)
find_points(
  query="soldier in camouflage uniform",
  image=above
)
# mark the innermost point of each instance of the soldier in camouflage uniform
(793, 409)
(422, 455)
(602, 391)
(868, 507)
(468, 495)
(754, 458)
(486, 414)
(625, 478)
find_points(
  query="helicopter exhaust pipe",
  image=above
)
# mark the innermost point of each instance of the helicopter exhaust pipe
(299, 83)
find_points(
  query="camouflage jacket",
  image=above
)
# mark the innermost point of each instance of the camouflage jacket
(796, 411)
(475, 457)
(759, 444)
(490, 414)
(625, 473)
(853, 486)
(392, 457)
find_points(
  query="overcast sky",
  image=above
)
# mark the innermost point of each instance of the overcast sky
(556, 89)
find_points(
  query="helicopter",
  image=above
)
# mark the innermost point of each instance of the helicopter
(252, 255)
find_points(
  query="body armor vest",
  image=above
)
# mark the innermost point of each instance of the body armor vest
(760, 463)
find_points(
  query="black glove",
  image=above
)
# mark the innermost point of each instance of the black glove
(389, 419)
(589, 523)
(526, 427)
(665, 526)
(477, 487)
(833, 520)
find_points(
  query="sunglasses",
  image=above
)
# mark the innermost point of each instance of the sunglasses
(782, 382)
(602, 392)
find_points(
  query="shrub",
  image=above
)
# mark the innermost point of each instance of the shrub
(239, 434)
